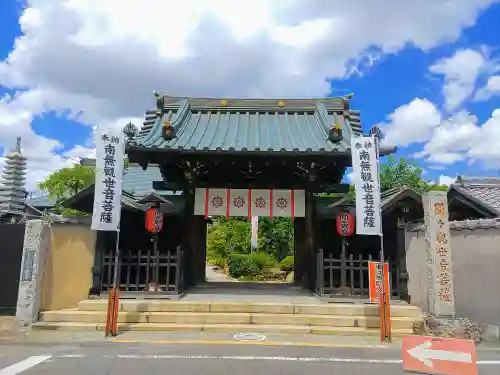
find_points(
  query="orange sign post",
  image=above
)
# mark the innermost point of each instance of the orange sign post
(375, 281)
(381, 294)
(439, 356)
(111, 327)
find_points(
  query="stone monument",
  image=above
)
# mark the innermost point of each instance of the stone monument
(35, 250)
(441, 301)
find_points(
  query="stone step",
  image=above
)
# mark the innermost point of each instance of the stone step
(250, 307)
(227, 318)
(226, 328)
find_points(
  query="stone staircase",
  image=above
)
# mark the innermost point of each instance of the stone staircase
(232, 316)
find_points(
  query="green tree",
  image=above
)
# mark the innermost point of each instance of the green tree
(66, 182)
(276, 236)
(398, 172)
(225, 237)
(394, 173)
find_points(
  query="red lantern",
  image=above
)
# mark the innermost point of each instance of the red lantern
(345, 224)
(154, 220)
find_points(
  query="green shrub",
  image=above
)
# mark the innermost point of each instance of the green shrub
(241, 265)
(216, 261)
(288, 263)
(262, 260)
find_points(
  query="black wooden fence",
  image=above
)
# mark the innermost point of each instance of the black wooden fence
(11, 253)
(348, 276)
(139, 268)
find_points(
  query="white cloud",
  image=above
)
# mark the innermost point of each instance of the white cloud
(101, 59)
(411, 123)
(446, 180)
(491, 88)
(16, 114)
(460, 74)
(460, 137)
(437, 167)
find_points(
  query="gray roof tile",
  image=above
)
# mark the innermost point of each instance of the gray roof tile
(484, 190)
(41, 201)
(463, 225)
(139, 183)
(250, 125)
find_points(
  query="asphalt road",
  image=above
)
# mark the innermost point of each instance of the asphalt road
(174, 359)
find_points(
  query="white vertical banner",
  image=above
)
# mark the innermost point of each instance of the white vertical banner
(217, 202)
(300, 203)
(110, 154)
(365, 172)
(283, 206)
(238, 203)
(261, 203)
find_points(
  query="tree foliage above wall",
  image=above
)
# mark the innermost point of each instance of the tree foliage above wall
(401, 172)
(66, 182)
(398, 172)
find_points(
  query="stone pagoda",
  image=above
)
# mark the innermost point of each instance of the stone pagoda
(12, 186)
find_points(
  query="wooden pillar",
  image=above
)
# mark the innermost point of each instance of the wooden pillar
(199, 248)
(403, 272)
(299, 235)
(95, 289)
(187, 239)
(309, 241)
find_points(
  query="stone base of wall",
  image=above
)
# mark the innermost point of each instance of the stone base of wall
(491, 333)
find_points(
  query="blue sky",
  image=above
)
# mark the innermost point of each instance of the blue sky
(73, 68)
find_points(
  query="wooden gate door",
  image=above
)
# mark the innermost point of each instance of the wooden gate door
(348, 275)
(11, 253)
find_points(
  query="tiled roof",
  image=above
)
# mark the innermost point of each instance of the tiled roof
(484, 191)
(387, 198)
(463, 225)
(254, 125)
(137, 183)
(41, 201)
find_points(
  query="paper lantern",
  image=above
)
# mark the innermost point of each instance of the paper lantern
(345, 224)
(154, 220)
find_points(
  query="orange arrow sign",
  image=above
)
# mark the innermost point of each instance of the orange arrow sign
(439, 356)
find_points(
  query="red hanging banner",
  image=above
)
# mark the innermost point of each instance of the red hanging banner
(292, 198)
(249, 204)
(345, 224)
(154, 220)
(228, 202)
(271, 204)
(206, 202)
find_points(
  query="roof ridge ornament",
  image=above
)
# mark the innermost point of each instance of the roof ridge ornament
(335, 133)
(168, 131)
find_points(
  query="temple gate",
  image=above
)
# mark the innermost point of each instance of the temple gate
(242, 157)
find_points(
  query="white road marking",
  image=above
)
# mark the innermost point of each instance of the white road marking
(71, 356)
(28, 363)
(251, 358)
(249, 336)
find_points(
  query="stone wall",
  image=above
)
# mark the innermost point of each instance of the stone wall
(475, 248)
